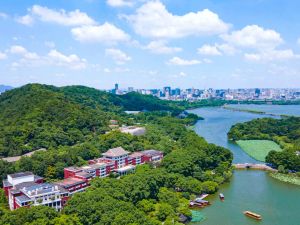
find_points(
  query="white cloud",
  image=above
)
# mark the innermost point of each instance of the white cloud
(106, 70)
(209, 50)
(54, 57)
(3, 15)
(120, 3)
(50, 44)
(71, 61)
(160, 47)
(217, 49)
(72, 18)
(271, 55)
(181, 74)
(253, 36)
(208, 61)
(153, 20)
(20, 50)
(2, 56)
(298, 41)
(17, 49)
(31, 56)
(107, 33)
(226, 49)
(25, 20)
(117, 55)
(183, 62)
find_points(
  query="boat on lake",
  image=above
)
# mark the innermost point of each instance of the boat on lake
(198, 203)
(222, 197)
(253, 215)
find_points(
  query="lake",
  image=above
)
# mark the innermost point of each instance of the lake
(277, 202)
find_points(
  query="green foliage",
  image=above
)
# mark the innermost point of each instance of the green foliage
(26, 216)
(38, 116)
(71, 123)
(285, 132)
(288, 178)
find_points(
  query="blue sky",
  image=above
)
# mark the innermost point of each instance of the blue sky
(150, 44)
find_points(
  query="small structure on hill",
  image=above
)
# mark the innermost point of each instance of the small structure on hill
(133, 130)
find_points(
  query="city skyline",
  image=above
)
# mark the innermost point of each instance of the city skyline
(195, 94)
(151, 44)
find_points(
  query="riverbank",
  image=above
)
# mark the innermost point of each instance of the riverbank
(287, 178)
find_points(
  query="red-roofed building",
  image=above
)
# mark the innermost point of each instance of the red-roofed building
(118, 155)
(136, 158)
(73, 184)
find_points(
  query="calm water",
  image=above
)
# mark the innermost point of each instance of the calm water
(277, 202)
(293, 110)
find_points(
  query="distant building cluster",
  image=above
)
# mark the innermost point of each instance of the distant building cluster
(26, 189)
(194, 94)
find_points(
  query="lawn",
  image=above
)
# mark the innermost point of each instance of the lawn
(258, 149)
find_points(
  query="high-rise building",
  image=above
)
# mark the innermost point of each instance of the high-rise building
(130, 89)
(257, 92)
(167, 91)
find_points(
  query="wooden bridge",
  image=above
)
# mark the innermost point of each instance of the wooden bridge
(242, 166)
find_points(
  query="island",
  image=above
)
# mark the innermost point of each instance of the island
(274, 141)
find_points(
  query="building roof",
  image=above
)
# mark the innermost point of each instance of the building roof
(21, 174)
(69, 182)
(137, 131)
(136, 154)
(6, 183)
(151, 152)
(20, 186)
(36, 177)
(105, 161)
(23, 198)
(115, 152)
(94, 166)
(41, 189)
(84, 175)
(125, 168)
(74, 169)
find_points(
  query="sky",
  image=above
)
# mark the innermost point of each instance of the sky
(151, 44)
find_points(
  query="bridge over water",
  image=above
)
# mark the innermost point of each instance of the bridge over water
(241, 166)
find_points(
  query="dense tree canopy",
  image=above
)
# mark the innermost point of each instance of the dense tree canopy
(71, 123)
(285, 132)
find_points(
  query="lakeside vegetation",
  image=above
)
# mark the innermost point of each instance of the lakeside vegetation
(285, 132)
(190, 167)
(243, 110)
(258, 149)
(288, 178)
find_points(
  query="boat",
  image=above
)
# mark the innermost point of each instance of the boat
(198, 203)
(253, 215)
(222, 197)
(203, 196)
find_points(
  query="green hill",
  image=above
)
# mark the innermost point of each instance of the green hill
(40, 116)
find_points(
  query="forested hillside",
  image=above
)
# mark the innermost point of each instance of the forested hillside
(150, 196)
(285, 132)
(40, 116)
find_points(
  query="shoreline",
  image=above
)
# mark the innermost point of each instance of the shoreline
(286, 178)
(257, 112)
